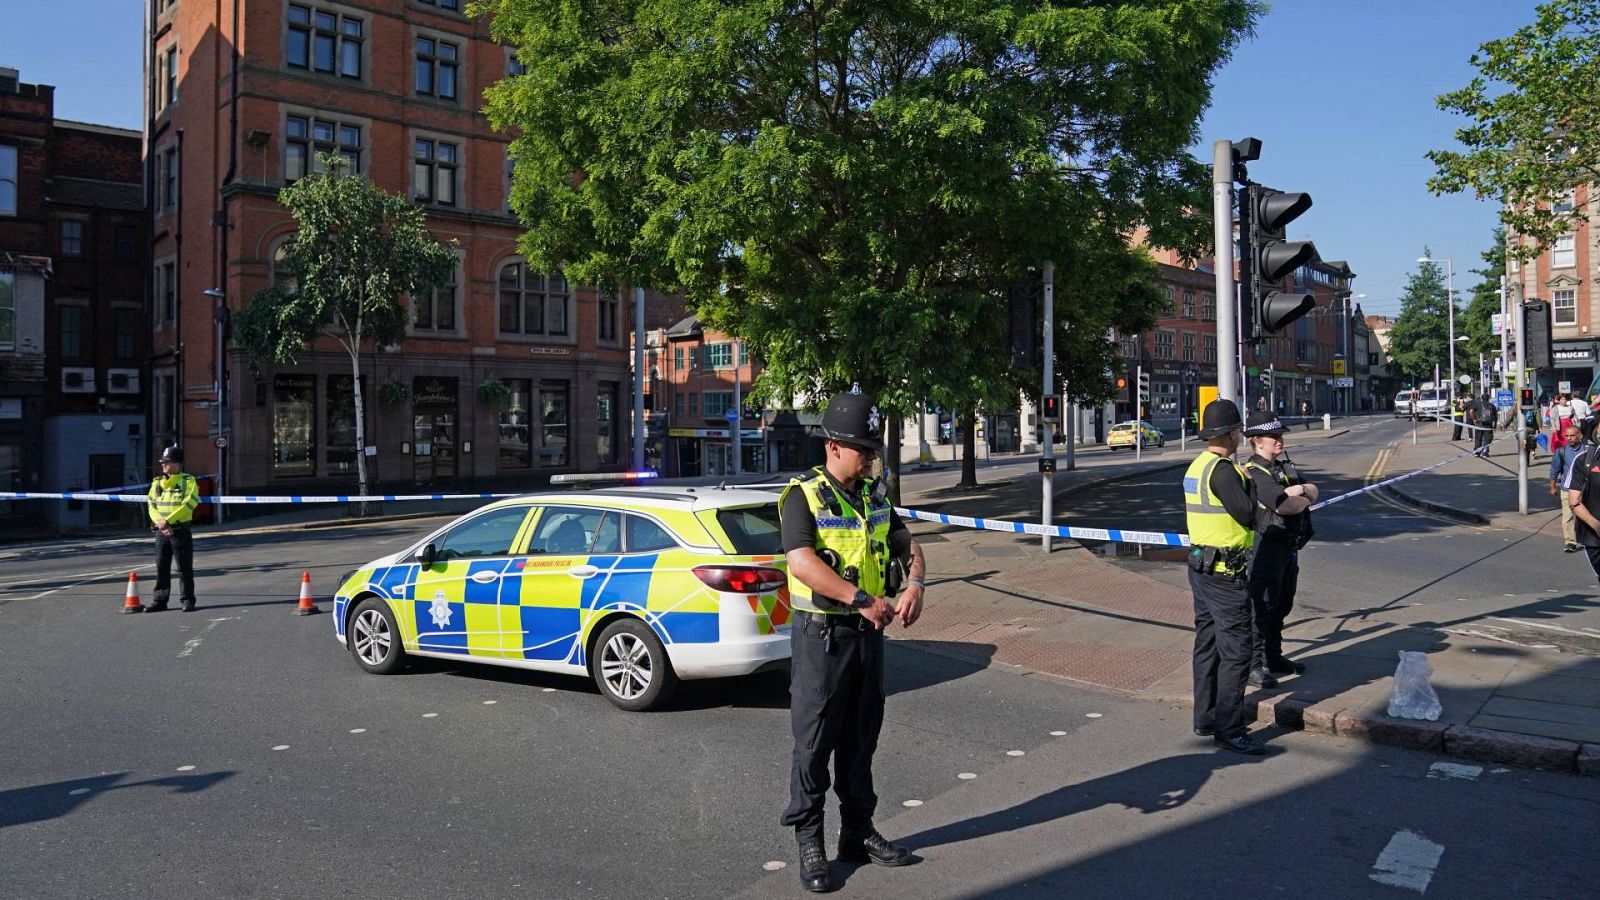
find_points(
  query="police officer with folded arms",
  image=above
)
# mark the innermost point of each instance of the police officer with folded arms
(846, 549)
(1220, 506)
(1283, 526)
(170, 503)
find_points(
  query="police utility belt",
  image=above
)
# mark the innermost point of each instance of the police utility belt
(1232, 561)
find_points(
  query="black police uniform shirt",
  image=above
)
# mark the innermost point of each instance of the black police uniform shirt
(1269, 491)
(1586, 469)
(799, 525)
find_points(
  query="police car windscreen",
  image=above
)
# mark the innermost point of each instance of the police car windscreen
(753, 529)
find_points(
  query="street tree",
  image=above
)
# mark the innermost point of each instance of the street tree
(1420, 337)
(1533, 129)
(1477, 319)
(850, 186)
(357, 253)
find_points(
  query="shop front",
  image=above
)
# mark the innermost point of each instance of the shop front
(1573, 369)
(434, 430)
(709, 451)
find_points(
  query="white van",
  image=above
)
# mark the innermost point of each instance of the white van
(1404, 403)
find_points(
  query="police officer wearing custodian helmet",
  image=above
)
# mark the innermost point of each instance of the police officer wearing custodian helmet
(846, 549)
(1220, 506)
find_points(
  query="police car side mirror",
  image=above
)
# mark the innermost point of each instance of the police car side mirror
(425, 556)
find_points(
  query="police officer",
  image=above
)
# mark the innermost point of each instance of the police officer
(1283, 526)
(1221, 509)
(845, 548)
(171, 502)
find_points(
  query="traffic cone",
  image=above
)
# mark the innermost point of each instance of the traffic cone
(306, 607)
(130, 602)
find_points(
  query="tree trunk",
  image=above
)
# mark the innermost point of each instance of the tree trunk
(969, 450)
(891, 456)
(361, 429)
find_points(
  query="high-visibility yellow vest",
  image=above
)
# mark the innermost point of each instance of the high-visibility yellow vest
(173, 497)
(859, 536)
(1209, 523)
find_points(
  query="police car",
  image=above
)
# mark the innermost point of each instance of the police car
(1123, 435)
(636, 587)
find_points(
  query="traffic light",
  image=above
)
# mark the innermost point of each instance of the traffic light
(1266, 381)
(1144, 387)
(1536, 313)
(1267, 258)
(1527, 397)
(1023, 323)
(1051, 408)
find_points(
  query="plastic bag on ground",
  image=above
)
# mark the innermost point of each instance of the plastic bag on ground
(1414, 697)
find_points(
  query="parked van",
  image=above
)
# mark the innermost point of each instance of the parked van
(1404, 403)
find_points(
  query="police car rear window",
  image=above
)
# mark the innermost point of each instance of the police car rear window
(753, 529)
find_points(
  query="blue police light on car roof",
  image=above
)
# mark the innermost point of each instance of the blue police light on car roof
(599, 477)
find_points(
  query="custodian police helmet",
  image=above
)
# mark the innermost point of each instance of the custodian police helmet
(172, 454)
(852, 418)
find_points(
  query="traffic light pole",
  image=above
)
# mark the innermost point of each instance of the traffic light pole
(1522, 376)
(1227, 295)
(1047, 468)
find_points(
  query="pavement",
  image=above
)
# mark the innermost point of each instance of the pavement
(1078, 616)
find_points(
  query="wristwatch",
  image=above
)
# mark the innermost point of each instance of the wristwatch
(862, 599)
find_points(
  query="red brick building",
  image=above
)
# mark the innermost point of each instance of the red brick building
(1564, 275)
(73, 338)
(507, 374)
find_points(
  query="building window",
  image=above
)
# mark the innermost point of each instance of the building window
(1208, 307)
(605, 431)
(553, 423)
(8, 180)
(532, 303)
(677, 359)
(694, 405)
(1565, 254)
(434, 172)
(71, 329)
(719, 356)
(454, 5)
(125, 325)
(516, 425)
(71, 237)
(1129, 347)
(1564, 202)
(1188, 303)
(437, 64)
(436, 310)
(168, 72)
(677, 405)
(304, 137)
(1566, 305)
(1188, 346)
(514, 66)
(716, 403)
(127, 243)
(324, 42)
(1208, 348)
(8, 309)
(340, 419)
(1166, 343)
(166, 293)
(294, 401)
(167, 183)
(608, 316)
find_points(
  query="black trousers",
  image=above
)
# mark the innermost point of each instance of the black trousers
(835, 710)
(1594, 559)
(1482, 438)
(1221, 652)
(180, 546)
(1274, 575)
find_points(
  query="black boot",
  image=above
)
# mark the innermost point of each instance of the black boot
(871, 847)
(1262, 678)
(814, 872)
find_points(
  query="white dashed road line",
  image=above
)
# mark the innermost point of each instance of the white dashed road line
(1457, 771)
(1407, 862)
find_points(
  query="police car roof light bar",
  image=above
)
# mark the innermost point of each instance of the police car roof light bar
(593, 477)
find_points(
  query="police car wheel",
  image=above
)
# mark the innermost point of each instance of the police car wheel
(374, 637)
(631, 666)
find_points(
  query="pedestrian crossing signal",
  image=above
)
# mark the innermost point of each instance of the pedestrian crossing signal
(1051, 408)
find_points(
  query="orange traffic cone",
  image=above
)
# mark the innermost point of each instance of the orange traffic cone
(130, 602)
(306, 607)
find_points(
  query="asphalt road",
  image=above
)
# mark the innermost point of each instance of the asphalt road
(238, 751)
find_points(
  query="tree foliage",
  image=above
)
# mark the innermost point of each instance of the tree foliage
(357, 252)
(1476, 321)
(1420, 337)
(849, 185)
(1533, 130)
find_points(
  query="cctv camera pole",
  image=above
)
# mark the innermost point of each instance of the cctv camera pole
(1227, 294)
(1048, 454)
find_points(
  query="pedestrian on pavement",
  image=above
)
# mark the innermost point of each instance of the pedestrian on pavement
(1283, 526)
(1580, 408)
(1487, 413)
(1305, 413)
(171, 502)
(1583, 494)
(1560, 466)
(1560, 417)
(846, 547)
(1220, 508)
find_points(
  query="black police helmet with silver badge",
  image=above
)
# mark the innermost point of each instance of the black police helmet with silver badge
(1263, 424)
(1219, 418)
(172, 454)
(852, 418)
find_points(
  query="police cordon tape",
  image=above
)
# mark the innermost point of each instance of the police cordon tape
(331, 498)
(1158, 538)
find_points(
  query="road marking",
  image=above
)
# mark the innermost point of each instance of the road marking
(1016, 752)
(86, 579)
(193, 644)
(1058, 734)
(430, 715)
(1407, 862)
(1540, 625)
(490, 702)
(967, 776)
(281, 747)
(911, 804)
(186, 768)
(1093, 715)
(1444, 771)
(358, 731)
(77, 792)
(549, 690)
(774, 865)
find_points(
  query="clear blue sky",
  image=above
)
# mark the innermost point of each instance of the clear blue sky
(1339, 91)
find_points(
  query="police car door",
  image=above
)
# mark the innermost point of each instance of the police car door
(551, 617)
(457, 599)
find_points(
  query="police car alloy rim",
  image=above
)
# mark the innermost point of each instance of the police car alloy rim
(372, 638)
(625, 666)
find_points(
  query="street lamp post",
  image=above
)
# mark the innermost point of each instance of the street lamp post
(1450, 305)
(1349, 361)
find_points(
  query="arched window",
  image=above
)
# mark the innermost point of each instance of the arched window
(532, 303)
(282, 274)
